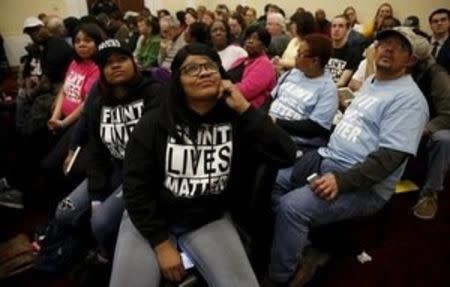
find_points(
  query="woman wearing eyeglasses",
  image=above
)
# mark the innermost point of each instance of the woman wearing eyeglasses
(183, 170)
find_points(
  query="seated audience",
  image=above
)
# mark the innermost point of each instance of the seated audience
(414, 22)
(250, 16)
(440, 26)
(434, 82)
(172, 40)
(208, 18)
(350, 13)
(358, 170)
(367, 66)
(147, 48)
(305, 24)
(383, 11)
(117, 27)
(237, 28)
(305, 98)
(197, 32)
(257, 74)
(176, 202)
(103, 6)
(345, 58)
(121, 97)
(221, 40)
(324, 26)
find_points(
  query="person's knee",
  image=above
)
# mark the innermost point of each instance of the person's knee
(441, 137)
(65, 213)
(102, 227)
(290, 208)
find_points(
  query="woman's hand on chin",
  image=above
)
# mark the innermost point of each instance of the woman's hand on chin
(233, 97)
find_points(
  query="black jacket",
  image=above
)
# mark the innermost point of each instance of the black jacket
(110, 123)
(443, 57)
(188, 174)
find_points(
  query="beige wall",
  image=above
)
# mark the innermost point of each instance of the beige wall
(13, 12)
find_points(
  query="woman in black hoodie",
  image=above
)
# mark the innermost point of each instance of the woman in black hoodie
(181, 164)
(116, 104)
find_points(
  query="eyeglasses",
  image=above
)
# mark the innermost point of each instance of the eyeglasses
(194, 69)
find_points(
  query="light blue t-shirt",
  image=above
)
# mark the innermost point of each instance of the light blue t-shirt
(389, 114)
(299, 98)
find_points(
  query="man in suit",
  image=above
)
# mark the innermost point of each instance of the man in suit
(440, 25)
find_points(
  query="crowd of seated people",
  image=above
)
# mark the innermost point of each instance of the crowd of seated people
(140, 123)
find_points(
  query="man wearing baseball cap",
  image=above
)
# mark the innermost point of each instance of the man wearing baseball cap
(30, 23)
(358, 170)
(56, 53)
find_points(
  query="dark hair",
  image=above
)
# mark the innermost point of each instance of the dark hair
(176, 100)
(191, 11)
(439, 11)
(95, 20)
(71, 23)
(151, 22)
(92, 31)
(266, 7)
(224, 7)
(227, 31)
(320, 46)
(116, 15)
(306, 24)
(165, 12)
(180, 17)
(199, 31)
(393, 19)
(262, 33)
(42, 16)
(146, 12)
(238, 17)
(343, 16)
(412, 21)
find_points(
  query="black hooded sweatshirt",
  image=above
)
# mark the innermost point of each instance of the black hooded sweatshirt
(183, 170)
(110, 122)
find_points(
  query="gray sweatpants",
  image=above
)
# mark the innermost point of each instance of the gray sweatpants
(215, 249)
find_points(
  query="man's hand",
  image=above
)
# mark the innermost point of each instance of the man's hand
(169, 261)
(326, 187)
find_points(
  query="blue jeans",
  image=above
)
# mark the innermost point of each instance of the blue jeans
(215, 249)
(105, 218)
(438, 153)
(298, 209)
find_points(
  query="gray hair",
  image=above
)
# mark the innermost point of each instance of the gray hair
(279, 18)
(56, 26)
(170, 20)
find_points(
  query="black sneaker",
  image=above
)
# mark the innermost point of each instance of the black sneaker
(4, 185)
(92, 271)
(11, 198)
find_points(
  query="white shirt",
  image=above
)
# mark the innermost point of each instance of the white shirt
(440, 43)
(231, 54)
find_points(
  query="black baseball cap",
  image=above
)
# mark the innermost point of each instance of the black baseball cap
(107, 47)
